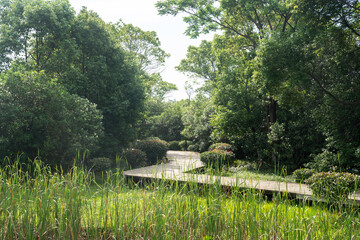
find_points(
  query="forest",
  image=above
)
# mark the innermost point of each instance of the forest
(275, 94)
(279, 82)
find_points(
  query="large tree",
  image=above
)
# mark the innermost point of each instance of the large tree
(297, 59)
(40, 118)
(82, 53)
(245, 24)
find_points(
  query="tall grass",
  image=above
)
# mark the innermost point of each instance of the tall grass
(72, 205)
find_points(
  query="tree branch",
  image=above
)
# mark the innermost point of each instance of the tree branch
(354, 104)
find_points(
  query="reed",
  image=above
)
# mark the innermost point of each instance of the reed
(73, 205)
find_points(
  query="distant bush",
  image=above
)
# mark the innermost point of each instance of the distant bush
(155, 150)
(135, 157)
(174, 145)
(241, 165)
(332, 186)
(158, 140)
(324, 162)
(217, 158)
(193, 148)
(221, 146)
(303, 174)
(185, 144)
(101, 164)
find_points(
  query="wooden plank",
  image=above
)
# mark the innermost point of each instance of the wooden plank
(181, 162)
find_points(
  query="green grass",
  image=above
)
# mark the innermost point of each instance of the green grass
(253, 174)
(74, 206)
(262, 175)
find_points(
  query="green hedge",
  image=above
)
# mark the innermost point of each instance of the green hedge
(174, 145)
(332, 186)
(135, 157)
(221, 146)
(302, 174)
(217, 158)
(154, 149)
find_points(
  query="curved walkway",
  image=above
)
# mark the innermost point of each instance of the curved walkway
(181, 162)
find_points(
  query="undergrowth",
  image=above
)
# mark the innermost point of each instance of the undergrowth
(72, 205)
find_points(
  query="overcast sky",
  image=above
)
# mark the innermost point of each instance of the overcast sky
(143, 13)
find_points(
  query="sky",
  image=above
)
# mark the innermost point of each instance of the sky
(143, 14)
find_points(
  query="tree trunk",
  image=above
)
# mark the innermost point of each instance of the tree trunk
(271, 112)
(271, 119)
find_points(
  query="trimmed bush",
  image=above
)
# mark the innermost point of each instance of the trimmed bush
(217, 158)
(333, 187)
(174, 145)
(101, 164)
(221, 146)
(303, 174)
(158, 140)
(135, 157)
(155, 150)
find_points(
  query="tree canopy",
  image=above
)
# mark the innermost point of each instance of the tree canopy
(89, 60)
(283, 76)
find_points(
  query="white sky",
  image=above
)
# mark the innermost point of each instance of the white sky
(143, 13)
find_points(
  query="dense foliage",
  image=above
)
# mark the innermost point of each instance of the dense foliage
(92, 81)
(75, 205)
(282, 79)
(40, 118)
(333, 187)
(155, 150)
(302, 174)
(217, 158)
(99, 165)
(135, 158)
(221, 146)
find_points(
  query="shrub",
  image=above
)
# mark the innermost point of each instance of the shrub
(100, 164)
(333, 187)
(324, 162)
(185, 144)
(303, 174)
(135, 157)
(217, 158)
(174, 145)
(158, 140)
(241, 165)
(155, 150)
(193, 148)
(221, 146)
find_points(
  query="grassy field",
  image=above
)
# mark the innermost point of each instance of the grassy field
(49, 205)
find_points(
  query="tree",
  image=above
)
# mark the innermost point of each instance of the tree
(245, 24)
(143, 48)
(108, 80)
(168, 125)
(82, 53)
(196, 120)
(38, 33)
(317, 67)
(276, 61)
(40, 118)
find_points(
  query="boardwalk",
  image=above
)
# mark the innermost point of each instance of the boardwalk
(182, 162)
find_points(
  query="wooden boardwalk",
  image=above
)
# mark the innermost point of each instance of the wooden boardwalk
(181, 162)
